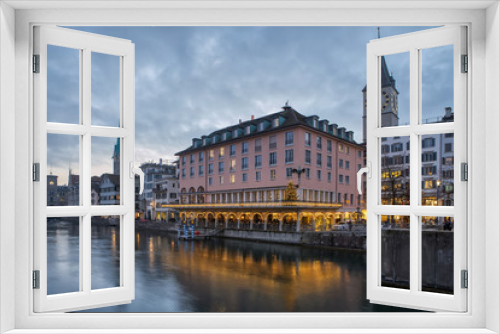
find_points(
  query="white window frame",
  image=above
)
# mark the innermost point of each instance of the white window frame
(413, 43)
(16, 238)
(86, 43)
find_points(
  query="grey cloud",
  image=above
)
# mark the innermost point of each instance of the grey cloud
(191, 81)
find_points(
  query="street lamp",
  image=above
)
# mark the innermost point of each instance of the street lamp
(437, 194)
(299, 172)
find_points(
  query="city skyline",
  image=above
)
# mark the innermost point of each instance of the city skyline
(218, 75)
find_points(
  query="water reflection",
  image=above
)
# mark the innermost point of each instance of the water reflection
(222, 275)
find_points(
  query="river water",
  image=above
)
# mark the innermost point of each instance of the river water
(217, 275)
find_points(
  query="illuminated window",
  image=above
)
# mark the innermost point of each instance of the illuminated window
(232, 178)
(211, 155)
(428, 184)
(221, 152)
(232, 165)
(221, 179)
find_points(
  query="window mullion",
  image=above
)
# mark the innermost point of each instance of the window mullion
(415, 93)
(86, 163)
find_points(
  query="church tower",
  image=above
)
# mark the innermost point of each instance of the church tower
(116, 158)
(389, 100)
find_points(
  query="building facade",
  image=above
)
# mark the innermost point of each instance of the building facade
(160, 188)
(437, 157)
(241, 174)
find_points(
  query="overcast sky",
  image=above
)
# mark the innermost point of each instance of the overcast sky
(191, 81)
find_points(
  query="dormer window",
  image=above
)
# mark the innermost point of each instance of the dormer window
(261, 126)
(276, 122)
(224, 136)
(315, 123)
(235, 133)
(247, 130)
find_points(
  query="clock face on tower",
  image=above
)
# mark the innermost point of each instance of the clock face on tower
(386, 99)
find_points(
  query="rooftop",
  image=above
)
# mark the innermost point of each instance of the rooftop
(286, 118)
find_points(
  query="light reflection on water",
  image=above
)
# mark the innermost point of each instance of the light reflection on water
(223, 275)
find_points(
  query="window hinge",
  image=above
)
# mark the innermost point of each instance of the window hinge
(36, 279)
(465, 279)
(465, 64)
(464, 171)
(36, 172)
(36, 63)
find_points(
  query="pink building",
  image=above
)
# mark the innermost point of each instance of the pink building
(238, 176)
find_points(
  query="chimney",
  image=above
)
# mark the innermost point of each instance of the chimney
(253, 117)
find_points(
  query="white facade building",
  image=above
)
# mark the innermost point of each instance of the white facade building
(157, 174)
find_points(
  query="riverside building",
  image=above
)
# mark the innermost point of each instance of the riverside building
(284, 171)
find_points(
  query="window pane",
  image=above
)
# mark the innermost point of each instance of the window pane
(63, 255)
(395, 247)
(63, 85)
(105, 89)
(395, 100)
(438, 170)
(437, 84)
(105, 182)
(63, 165)
(437, 254)
(105, 252)
(395, 169)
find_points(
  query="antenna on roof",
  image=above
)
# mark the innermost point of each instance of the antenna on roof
(378, 28)
(286, 103)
